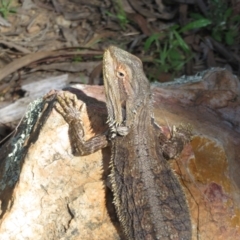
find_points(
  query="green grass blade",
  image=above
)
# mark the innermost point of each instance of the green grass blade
(150, 40)
(181, 42)
(196, 24)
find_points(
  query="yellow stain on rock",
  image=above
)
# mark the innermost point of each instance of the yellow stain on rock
(235, 221)
(210, 162)
(210, 166)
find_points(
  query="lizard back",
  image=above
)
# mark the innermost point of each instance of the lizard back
(148, 197)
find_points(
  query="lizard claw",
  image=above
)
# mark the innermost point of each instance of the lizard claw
(67, 105)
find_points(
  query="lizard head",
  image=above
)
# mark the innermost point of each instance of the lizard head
(126, 86)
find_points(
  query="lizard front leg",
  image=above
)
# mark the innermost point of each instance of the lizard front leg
(180, 136)
(173, 146)
(67, 105)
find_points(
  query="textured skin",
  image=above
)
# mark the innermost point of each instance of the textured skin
(148, 197)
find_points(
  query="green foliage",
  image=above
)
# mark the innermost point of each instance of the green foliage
(153, 39)
(120, 14)
(172, 50)
(122, 19)
(5, 8)
(223, 25)
(77, 58)
(98, 57)
(199, 23)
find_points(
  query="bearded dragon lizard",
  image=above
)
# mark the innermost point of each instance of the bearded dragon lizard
(148, 197)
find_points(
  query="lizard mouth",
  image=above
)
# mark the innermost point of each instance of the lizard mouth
(123, 115)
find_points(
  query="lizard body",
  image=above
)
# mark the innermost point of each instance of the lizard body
(148, 197)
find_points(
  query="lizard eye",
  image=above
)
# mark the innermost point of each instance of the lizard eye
(120, 74)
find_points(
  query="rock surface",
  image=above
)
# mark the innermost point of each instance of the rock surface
(47, 192)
